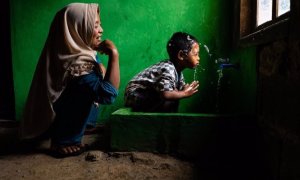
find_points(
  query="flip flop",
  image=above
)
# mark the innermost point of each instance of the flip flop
(57, 151)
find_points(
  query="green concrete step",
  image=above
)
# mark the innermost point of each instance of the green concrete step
(187, 134)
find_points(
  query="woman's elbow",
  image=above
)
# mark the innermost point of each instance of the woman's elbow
(108, 100)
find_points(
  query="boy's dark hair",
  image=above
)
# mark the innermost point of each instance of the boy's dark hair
(180, 41)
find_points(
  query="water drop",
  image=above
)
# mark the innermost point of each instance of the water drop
(195, 73)
(201, 68)
(206, 48)
(220, 75)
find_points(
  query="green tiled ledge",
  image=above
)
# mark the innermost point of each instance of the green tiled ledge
(187, 134)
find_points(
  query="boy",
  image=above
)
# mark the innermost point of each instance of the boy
(160, 87)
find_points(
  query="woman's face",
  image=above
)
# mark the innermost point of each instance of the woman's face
(97, 33)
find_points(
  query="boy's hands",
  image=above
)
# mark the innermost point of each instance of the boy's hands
(190, 89)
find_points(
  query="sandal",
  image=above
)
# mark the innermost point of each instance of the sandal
(62, 151)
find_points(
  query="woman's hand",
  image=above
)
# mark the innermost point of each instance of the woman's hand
(107, 47)
(113, 70)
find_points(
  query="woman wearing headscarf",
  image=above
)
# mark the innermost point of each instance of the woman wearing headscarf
(68, 80)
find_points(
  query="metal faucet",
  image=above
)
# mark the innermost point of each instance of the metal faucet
(235, 66)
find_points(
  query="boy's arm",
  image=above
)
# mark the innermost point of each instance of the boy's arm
(188, 90)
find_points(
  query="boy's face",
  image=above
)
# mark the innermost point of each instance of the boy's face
(191, 60)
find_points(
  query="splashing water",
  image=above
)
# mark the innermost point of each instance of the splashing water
(207, 50)
(196, 70)
(195, 73)
(201, 68)
(220, 75)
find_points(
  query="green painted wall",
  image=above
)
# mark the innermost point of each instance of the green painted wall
(140, 29)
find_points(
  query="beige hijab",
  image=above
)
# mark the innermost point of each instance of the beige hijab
(68, 43)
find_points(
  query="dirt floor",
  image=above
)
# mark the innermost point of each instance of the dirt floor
(34, 162)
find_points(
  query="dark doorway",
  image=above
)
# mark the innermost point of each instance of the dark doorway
(7, 98)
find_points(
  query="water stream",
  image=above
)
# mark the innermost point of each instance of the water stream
(220, 75)
(199, 69)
